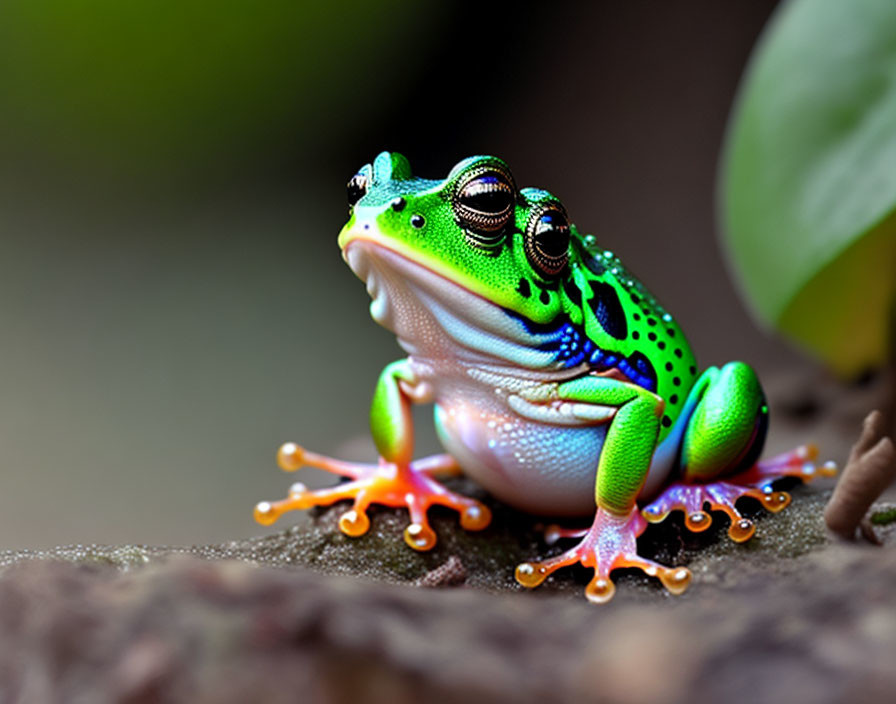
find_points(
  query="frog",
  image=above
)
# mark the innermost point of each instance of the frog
(559, 382)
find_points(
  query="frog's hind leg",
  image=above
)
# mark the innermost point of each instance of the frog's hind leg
(724, 422)
(394, 481)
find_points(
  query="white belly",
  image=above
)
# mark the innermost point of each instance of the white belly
(540, 468)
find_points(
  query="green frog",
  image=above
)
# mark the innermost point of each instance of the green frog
(560, 384)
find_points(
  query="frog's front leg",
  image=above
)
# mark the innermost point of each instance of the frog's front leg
(721, 432)
(394, 481)
(628, 447)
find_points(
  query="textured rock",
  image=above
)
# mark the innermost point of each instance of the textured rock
(822, 629)
(308, 614)
(487, 558)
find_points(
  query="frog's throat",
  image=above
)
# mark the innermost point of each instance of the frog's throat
(434, 317)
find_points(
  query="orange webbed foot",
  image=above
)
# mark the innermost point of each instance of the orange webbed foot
(412, 486)
(610, 543)
(722, 494)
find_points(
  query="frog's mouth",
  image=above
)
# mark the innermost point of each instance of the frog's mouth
(434, 316)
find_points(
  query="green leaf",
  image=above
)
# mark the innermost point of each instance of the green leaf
(808, 191)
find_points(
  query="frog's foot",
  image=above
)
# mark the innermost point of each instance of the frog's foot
(386, 483)
(722, 494)
(610, 543)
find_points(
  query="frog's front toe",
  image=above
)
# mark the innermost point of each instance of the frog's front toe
(413, 486)
(694, 498)
(610, 543)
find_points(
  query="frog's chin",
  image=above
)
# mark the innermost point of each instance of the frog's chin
(435, 317)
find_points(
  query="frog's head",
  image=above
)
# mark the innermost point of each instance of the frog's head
(471, 252)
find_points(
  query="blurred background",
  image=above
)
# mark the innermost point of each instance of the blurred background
(173, 305)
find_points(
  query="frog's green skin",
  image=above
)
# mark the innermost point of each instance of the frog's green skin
(559, 383)
(504, 352)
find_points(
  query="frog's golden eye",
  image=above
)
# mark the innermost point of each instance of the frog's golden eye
(547, 240)
(356, 188)
(483, 205)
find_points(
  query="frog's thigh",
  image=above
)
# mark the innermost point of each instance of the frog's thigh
(727, 428)
(391, 423)
(630, 440)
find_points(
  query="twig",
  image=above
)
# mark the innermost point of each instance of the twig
(870, 469)
(449, 574)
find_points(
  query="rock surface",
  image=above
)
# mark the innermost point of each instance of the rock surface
(792, 614)
(308, 614)
(820, 627)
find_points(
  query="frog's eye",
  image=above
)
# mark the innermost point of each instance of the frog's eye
(547, 240)
(356, 188)
(483, 205)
